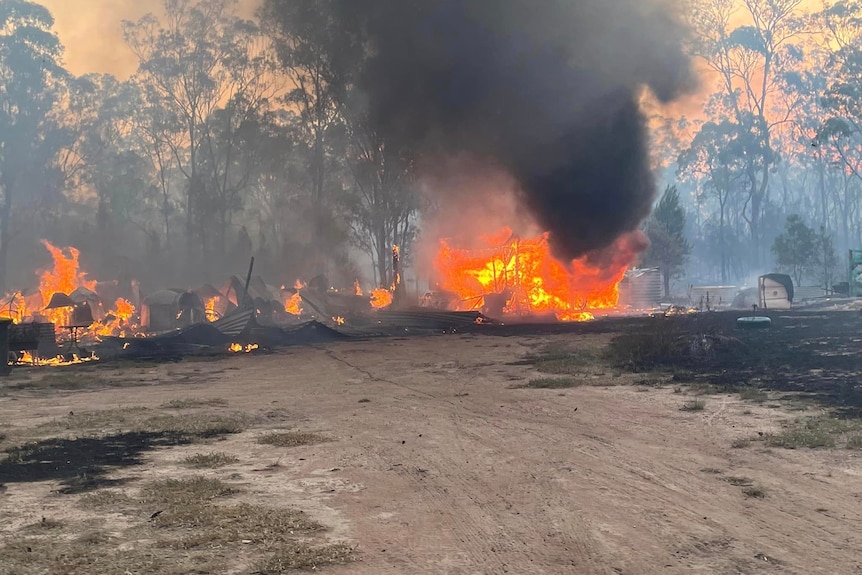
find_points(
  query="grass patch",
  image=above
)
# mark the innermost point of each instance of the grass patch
(193, 402)
(61, 379)
(301, 556)
(561, 361)
(195, 426)
(753, 394)
(741, 443)
(854, 442)
(552, 383)
(140, 420)
(106, 500)
(101, 420)
(185, 492)
(226, 524)
(45, 524)
(712, 470)
(739, 481)
(210, 460)
(32, 555)
(694, 405)
(821, 431)
(755, 492)
(290, 438)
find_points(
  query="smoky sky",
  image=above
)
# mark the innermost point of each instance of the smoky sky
(546, 90)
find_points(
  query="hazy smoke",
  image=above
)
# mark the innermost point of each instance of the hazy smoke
(546, 91)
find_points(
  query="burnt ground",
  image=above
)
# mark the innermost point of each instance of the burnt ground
(623, 446)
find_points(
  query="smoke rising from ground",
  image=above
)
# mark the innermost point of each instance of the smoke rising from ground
(545, 92)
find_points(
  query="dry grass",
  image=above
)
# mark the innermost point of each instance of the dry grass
(755, 492)
(290, 438)
(694, 405)
(38, 555)
(739, 481)
(63, 380)
(300, 556)
(141, 419)
(120, 418)
(193, 402)
(741, 443)
(210, 460)
(106, 500)
(185, 492)
(552, 383)
(197, 425)
(561, 361)
(230, 524)
(854, 442)
(821, 431)
(753, 394)
(45, 524)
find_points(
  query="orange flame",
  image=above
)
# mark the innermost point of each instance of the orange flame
(357, 289)
(298, 284)
(338, 320)
(293, 305)
(65, 277)
(122, 314)
(209, 310)
(532, 280)
(239, 348)
(381, 298)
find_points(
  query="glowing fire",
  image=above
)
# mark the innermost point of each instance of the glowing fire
(121, 319)
(65, 277)
(209, 310)
(338, 320)
(357, 289)
(239, 348)
(381, 298)
(293, 305)
(528, 279)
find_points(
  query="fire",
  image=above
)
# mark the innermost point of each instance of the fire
(15, 308)
(381, 298)
(122, 314)
(357, 289)
(293, 305)
(65, 277)
(209, 310)
(528, 279)
(239, 348)
(298, 284)
(338, 320)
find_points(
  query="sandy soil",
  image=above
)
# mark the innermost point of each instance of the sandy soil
(449, 468)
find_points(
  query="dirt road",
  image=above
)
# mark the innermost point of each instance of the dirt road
(440, 464)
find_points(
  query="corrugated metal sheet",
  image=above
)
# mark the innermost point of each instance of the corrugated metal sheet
(802, 293)
(641, 289)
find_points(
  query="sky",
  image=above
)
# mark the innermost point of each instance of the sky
(91, 31)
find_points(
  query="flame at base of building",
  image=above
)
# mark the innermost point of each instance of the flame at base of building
(520, 276)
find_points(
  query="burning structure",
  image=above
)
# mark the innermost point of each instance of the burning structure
(519, 276)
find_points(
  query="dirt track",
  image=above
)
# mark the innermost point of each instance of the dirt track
(450, 469)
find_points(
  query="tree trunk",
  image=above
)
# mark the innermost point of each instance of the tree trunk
(665, 276)
(5, 216)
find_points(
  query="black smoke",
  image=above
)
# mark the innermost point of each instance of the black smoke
(546, 90)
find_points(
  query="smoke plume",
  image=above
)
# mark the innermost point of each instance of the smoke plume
(545, 91)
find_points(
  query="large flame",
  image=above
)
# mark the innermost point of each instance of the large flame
(120, 321)
(381, 298)
(65, 277)
(530, 279)
(293, 304)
